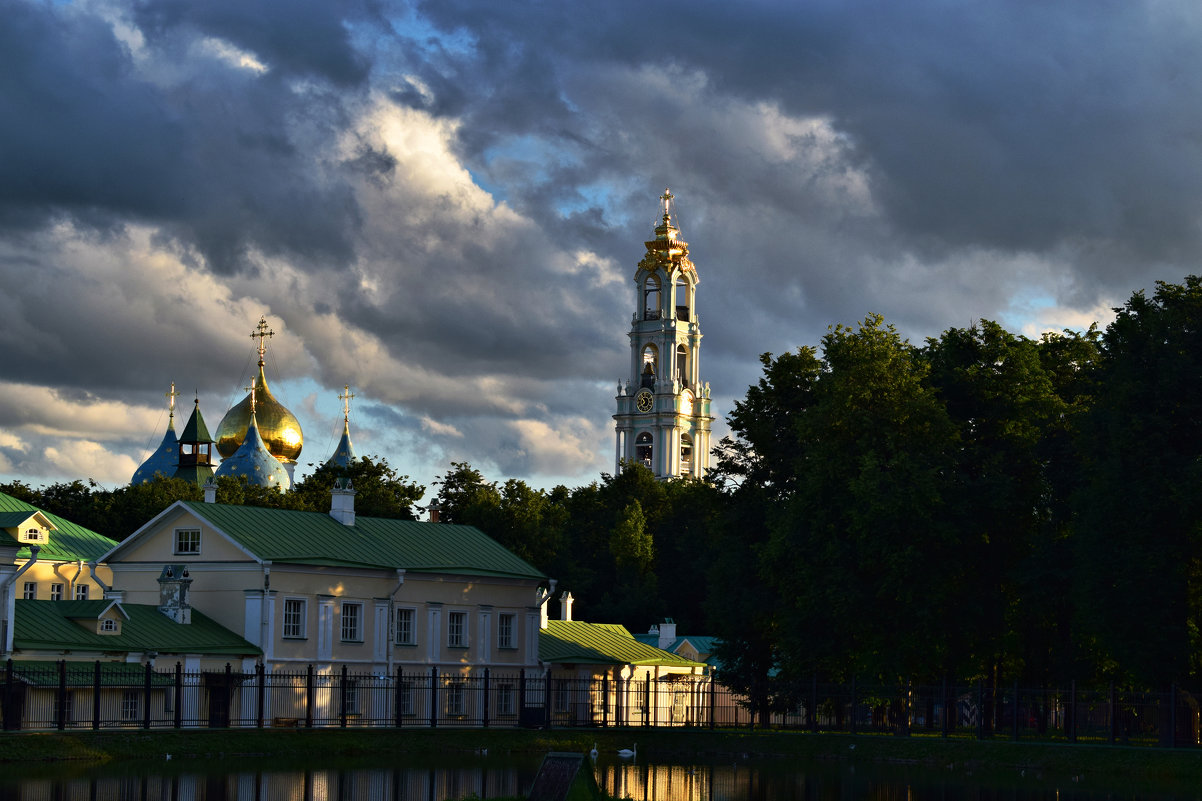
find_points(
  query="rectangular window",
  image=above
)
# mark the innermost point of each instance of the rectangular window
(294, 618)
(81, 592)
(455, 697)
(505, 696)
(505, 631)
(56, 592)
(130, 703)
(31, 591)
(406, 690)
(68, 707)
(352, 697)
(187, 541)
(559, 695)
(404, 627)
(457, 630)
(352, 622)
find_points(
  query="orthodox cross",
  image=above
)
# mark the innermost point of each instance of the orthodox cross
(346, 397)
(251, 390)
(171, 396)
(261, 333)
(666, 197)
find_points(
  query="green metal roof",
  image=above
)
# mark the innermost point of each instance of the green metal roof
(196, 431)
(41, 625)
(44, 673)
(68, 542)
(314, 538)
(577, 642)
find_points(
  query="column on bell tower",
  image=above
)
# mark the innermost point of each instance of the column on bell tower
(663, 418)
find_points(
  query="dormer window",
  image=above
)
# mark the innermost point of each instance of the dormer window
(108, 626)
(33, 535)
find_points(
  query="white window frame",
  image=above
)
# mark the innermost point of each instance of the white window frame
(301, 631)
(457, 635)
(507, 629)
(352, 696)
(131, 704)
(356, 634)
(108, 624)
(56, 591)
(456, 693)
(81, 592)
(405, 688)
(506, 699)
(411, 614)
(190, 546)
(30, 591)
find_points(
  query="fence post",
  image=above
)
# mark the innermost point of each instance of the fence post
(60, 719)
(1015, 711)
(433, 696)
(1173, 715)
(522, 696)
(484, 711)
(605, 700)
(309, 699)
(653, 699)
(179, 694)
(1072, 711)
(853, 705)
(146, 682)
(96, 696)
(1113, 713)
(9, 723)
(261, 676)
(547, 698)
(945, 713)
(229, 693)
(647, 700)
(713, 702)
(398, 699)
(342, 698)
(980, 709)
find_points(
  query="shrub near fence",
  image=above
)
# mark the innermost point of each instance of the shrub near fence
(40, 696)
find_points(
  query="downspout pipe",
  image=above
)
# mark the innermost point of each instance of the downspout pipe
(8, 592)
(104, 588)
(264, 621)
(391, 645)
(75, 578)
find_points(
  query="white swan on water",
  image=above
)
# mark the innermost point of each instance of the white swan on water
(627, 753)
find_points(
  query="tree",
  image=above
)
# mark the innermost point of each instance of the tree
(379, 490)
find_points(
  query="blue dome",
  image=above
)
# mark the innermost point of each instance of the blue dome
(253, 460)
(344, 454)
(164, 459)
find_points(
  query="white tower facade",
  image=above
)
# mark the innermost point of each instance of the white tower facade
(663, 418)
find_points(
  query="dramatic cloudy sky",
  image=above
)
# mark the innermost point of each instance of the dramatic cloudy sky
(442, 204)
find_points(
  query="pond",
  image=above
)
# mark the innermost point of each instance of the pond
(482, 776)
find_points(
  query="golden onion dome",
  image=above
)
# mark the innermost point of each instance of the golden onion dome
(278, 427)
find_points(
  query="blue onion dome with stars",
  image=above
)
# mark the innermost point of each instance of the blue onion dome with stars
(253, 460)
(164, 459)
(344, 454)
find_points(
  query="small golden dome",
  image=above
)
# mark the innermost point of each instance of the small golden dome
(278, 427)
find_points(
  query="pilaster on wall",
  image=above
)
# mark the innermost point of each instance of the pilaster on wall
(434, 629)
(325, 628)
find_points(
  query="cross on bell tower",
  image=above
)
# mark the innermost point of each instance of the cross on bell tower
(663, 415)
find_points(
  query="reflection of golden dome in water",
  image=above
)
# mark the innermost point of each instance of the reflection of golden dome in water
(278, 427)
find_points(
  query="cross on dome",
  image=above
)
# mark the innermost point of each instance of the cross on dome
(171, 396)
(261, 333)
(667, 198)
(346, 396)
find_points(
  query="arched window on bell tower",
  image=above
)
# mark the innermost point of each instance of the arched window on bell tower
(682, 365)
(651, 307)
(650, 367)
(682, 299)
(686, 454)
(643, 449)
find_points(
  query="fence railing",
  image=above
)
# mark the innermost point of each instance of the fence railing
(104, 695)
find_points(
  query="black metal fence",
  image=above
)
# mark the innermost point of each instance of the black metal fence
(104, 695)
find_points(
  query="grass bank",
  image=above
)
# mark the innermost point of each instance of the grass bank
(288, 748)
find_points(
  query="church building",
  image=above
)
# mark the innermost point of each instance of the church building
(663, 419)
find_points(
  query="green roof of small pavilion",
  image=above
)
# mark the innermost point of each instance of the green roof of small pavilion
(295, 537)
(52, 625)
(577, 642)
(68, 542)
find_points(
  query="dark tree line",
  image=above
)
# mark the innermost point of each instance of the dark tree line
(978, 506)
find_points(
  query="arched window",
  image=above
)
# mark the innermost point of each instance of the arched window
(642, 449)
(682, 365)
(108, 624)
(682, 299)
(651, 298)
(686, 453)
(650, 368)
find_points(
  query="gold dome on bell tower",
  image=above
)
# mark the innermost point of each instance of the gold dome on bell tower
(278, 427)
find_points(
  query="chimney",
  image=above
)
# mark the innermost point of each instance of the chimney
(565, 606)
(435, 511)
(667, 633)
(342, 502)
(542, 596)
(173, 593)
(210, 488)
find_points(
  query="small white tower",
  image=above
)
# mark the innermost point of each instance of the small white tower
(663, 418)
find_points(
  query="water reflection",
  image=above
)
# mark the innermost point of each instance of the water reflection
(464, 776)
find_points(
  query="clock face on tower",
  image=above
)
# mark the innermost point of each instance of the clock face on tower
(644, 401)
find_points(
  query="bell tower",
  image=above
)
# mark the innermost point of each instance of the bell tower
(663, 418)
